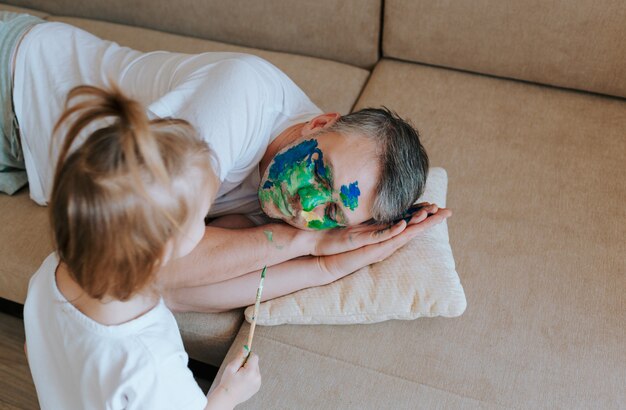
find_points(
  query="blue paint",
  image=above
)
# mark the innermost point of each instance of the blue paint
(284, 161)
(350, 195)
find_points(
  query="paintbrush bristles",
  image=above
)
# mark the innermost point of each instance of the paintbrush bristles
(259, 292)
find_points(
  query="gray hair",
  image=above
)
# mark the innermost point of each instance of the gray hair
(403, 159)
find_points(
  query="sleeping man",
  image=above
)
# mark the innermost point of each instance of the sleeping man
(312, 195)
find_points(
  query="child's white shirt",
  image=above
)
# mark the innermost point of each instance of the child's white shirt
(78, 363)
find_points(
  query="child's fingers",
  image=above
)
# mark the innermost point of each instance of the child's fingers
(237, 362)
(252, 363)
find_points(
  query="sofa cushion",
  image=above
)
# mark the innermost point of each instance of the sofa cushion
(575, 44)
(332, 86)
(536, 184)
(24, 243)
(208, 336)
(14, 9)
(346, 31)
(418, 280)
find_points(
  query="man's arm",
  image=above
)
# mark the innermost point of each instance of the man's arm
(294, 275)
(281, 279)
(226, 253)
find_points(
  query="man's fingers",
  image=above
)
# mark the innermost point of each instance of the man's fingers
(380, 235)
(387, 248)
(433, 208)
(419, 217)
(435, 219)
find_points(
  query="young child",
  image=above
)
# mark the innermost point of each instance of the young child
(132, 197)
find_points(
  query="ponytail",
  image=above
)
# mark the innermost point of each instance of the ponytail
(133, 128)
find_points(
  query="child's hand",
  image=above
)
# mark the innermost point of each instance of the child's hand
(240, 383)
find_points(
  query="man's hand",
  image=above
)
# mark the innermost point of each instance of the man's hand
(339, 265)
(336, 241)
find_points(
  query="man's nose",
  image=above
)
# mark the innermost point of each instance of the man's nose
(315, 214)
(312, 197)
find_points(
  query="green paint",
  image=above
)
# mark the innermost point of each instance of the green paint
(311, 197)
(270, 237)
(299, 175)
(325, 224)
(275, 196)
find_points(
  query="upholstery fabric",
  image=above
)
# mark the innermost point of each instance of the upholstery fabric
(24, 244)
(346, 31)
(419, 280)
(536, 184)
(574, 44)
(36, 13)
(332, 86)
(207, 336)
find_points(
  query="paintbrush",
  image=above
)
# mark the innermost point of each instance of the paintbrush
(259, 292)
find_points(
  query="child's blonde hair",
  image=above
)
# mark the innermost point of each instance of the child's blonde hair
(125, 193)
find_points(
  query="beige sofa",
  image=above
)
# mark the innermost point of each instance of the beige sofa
(522, 103)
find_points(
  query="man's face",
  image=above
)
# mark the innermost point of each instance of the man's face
(322, 181)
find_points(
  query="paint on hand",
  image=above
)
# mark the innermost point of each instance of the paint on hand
(350, 195)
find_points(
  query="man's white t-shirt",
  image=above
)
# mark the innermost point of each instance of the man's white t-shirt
(78, 363)
(238, 103)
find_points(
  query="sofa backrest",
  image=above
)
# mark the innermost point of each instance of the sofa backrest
(567, 43)
(347, 31)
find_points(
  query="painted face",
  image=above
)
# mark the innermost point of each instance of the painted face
(300, 188)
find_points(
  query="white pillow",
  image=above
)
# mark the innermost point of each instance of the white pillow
(418, 280)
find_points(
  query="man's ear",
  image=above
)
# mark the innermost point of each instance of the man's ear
(320, 122)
